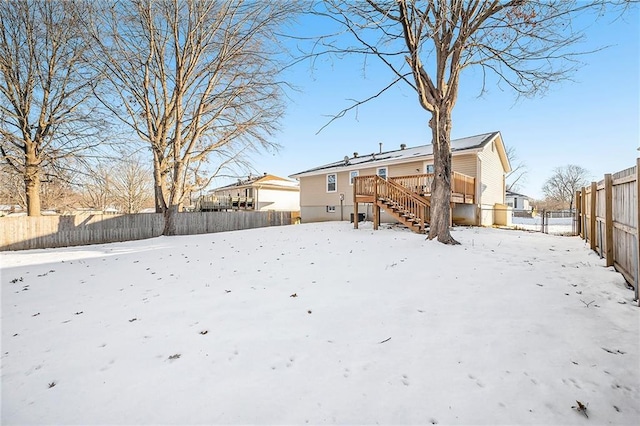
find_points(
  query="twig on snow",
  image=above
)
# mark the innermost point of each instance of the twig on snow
(581, 408)
(587, 304)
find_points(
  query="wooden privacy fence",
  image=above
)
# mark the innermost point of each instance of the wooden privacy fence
(22, 233)
(608, 216)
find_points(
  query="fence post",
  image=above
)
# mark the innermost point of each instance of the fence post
(608, 219)
(583, 209)
(544, 215)
(592, 216)
(578, 229)
(637, 207)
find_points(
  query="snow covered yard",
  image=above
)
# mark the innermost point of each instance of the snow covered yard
(319, 323)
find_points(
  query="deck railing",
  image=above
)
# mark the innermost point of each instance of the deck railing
(414, 207)
(364, 185)
(463, 187)
(408, 205)
(420, 184)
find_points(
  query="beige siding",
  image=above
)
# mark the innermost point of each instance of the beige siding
(313, 190)
(466, 164)
(369, 171)
(406, 169)
(492, 175)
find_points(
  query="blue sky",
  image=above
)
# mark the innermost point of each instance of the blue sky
(592, 121)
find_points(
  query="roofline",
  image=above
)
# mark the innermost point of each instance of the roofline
(507, 193)
(256, 183)
(381, 163)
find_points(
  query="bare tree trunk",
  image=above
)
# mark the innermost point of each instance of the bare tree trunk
(158, 187)
(440, 124)
(175, 201)
(32, 181)
(170, 215)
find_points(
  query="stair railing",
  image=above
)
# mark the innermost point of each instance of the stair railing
(411, 205)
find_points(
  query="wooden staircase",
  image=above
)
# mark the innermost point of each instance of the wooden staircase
(406, 206)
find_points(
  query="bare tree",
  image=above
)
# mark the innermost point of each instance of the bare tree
(46, 112)
(132, 186)
(11, 187)
(427, 44)
(56, 189)
(564, 183)
(97, 187)
(195, 79)
(518, 173)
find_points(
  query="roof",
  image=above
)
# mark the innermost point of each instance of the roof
(265, 180)
(419, 152)
(515, 194)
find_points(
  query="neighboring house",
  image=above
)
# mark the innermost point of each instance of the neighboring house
(9, 209)
(479, 165)
(518, 201)
(266, 192)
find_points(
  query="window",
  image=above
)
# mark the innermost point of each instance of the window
(429, 168)
(382, 172)
(332, 185)
(331, 209)
(352, 174)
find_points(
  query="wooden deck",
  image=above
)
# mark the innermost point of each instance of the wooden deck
(463, 187)
(408, 198)
(211, 203)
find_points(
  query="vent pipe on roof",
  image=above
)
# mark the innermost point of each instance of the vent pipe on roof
(380, 143)
(355, 155)
(403, 145)
(265, 173)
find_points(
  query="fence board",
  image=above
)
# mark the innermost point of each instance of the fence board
(617, 218)
(23, 233)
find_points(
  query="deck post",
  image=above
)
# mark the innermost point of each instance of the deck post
(592, 216)
(355, 203)
(450, 214)
(376, 209)
(608, 219)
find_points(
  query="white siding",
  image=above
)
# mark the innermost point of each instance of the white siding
(273, 199)
(492, 175)
(466, 164)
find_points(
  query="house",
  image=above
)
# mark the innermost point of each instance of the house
(479, 165)
(517, 201)
(266, 192)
